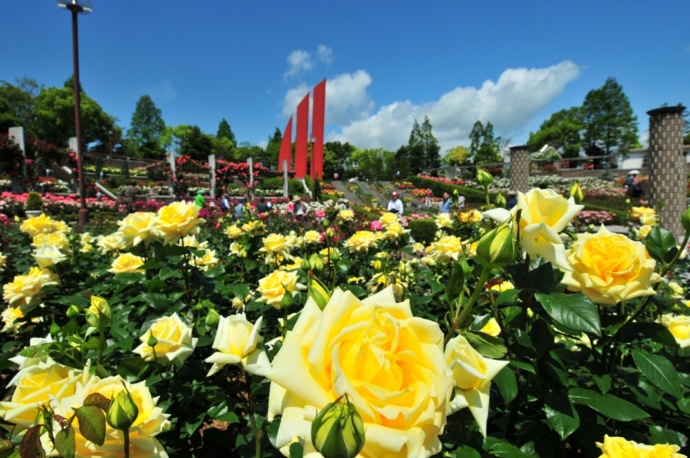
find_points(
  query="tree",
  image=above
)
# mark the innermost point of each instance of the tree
(146, 129)
(371, 163)
(54, 117)
(561, 131)
(224, 131)
(610, 125)
(273, 149)
(17, 104)
(456, 156)
(336, 158)
(484, 146)
(422, 147)
(402, 156)
(193, 142)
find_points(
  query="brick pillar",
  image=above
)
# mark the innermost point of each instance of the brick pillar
(667, 167)
(519, 168)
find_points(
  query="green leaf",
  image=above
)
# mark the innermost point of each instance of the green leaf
(503, 449)
(65, 442)
(607, 404)
(506, 382)
(31, 443)
(561, 414)
(296, 450)
(574, 311)
(648, 330)
(659, 435)
(98, 400)
(659, 371)
(465, 451)
(91, 423)
(489, 346)
(661, 244)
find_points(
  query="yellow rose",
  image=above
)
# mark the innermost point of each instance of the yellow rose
(207, 261)
(3, 262)
(238, 249)
(492, 328)
(389, 363)
(236, 341)
(679, 326)
(388, 218)
(233, 232)
(503, 286)
(150, 420)
(127, 263)
(57, 239)
(111, 243)
(25, 289)
(274, 244)
(636, 213)
(9, 317)
(174, 341)
(35, 386)
(43, 224)
(471, 216)
(610, 268)
(472, 374)
(678, 290)
(253, 227)
(361, 241)
(446, 248)
(644, 231)
(443, 220)
(273, 286)
(48, 255)
(138, 227)
(618, 447)
(346, 215)
(312, 237)
(395, 230)
(176, 220)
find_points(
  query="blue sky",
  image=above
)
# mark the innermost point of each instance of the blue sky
(387, 63)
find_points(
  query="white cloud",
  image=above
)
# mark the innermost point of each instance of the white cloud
(298, 62)
(324, 54)
(161, 91)
(508, 103)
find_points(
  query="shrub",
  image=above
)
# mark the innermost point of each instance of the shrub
(423, 230)
(34, 201)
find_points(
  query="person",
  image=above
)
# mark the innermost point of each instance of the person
(262, 206)
(395, 205)
(445, 203)
(635, 189)
(627, 184)
(199, 199)
(239, 210)
(224, 204)
(130, 195)
(512, 200)
(300, 208)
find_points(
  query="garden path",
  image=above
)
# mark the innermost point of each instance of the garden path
(352, 197)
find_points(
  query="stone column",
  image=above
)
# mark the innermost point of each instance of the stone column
(519, 168)
(668, 173)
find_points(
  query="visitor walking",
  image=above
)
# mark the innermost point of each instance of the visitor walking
(445, 203)
(199, 199)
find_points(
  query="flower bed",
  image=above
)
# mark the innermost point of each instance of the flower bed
(237, 335)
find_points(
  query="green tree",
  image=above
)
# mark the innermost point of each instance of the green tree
(17, 104)
(193, 142)
(610, 125)
(224, 144)
(456, 156)
(402, 156)
(273, 149)
(146, 129)
(371, 164)
(485, 147)
(415, 150)
(54, 117)
(224, 131)
(563, 131)
(246, 150)
(432, 156)
(336, 156)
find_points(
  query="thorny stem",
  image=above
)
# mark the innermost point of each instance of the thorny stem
(483, 277)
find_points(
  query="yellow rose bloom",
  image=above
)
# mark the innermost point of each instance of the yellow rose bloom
(35, 386)
(644, 231)
(111, 243)
(389, 362)
(275, 244)
(503, 286)
(636, 213)
(679, 326)
(471, 216)
(174, 341)
(57, 239)
(472, 374)
(48, 255)
(233, 231)
(138, 227)
(312, 237)
(207, 261)
(24, 289)
(346, 215)
(3, 262)
(446, 248)
(610, 268)
(618, 447)
(127, 263)
(237, 342)
(176, 220)
(9, 317)
(395, 230)
(43, 224)
(443, 220)
(238, 250)
(253, 227)
(678, 290)
(388, 218)
(361, 241)
(492, 328)
(273, 286)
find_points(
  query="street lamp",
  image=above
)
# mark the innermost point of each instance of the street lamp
(76, 7)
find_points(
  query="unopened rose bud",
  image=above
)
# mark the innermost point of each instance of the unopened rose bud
(73, 310)
(338, 430)
(685, 220)
(306, 265)
(484, 178)
(329, 233)
(316, 261)
(122, 411)
(152, 341)
(576, 193)
(497, 247)
(98, 314)
(500, 200)
(212, 318)
(334, 255)
(318, 292)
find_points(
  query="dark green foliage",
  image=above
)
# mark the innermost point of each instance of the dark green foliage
(146, 128)
(34, 201)
(423, 230)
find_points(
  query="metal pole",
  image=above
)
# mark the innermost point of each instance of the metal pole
(83, 211)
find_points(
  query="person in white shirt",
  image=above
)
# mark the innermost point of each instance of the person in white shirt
(395, 205)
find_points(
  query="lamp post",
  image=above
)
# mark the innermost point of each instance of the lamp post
(76, 7)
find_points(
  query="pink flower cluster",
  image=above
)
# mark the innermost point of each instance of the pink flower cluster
(595, 217)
